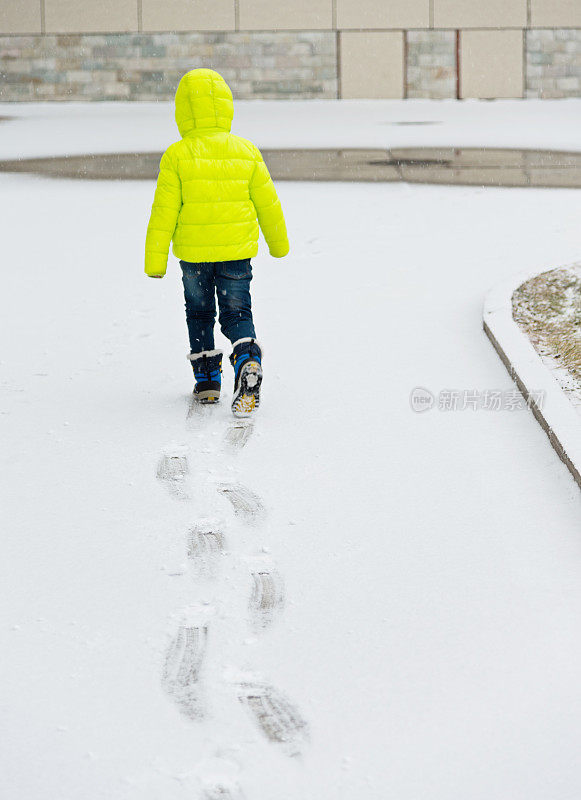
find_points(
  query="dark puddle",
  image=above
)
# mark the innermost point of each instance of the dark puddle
(434, 165)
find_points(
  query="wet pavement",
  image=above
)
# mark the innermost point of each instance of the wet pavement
(435, 165)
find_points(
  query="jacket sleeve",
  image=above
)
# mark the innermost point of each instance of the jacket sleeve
(268, 208)
(167, 203)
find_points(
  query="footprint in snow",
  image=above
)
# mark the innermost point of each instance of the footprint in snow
(182, 670)
(223, 791)
(172, 469)
(277, 718)
(205, 548)
(238, 433)
(246, 503)
(198, 412)
(268, 595)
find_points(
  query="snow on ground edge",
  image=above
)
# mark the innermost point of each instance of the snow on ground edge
(556, 414)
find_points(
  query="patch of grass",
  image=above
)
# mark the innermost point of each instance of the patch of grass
(548, 309)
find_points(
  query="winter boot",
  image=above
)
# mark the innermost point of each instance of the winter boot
(207, 368)
(246, 359)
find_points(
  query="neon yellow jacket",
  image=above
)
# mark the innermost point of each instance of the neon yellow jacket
(213, 188)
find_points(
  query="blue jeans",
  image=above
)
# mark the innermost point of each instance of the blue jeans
(230, 280)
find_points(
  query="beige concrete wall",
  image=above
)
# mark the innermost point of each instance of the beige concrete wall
(491, 64)
(556, 13)
(369, 14)
(372, 64)
(505, 44)
(20, 16)
(81, 16)
(285, 14)
(90, 16)
(481, 13)
(188, 15)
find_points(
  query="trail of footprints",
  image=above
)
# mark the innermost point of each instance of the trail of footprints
(206, 546)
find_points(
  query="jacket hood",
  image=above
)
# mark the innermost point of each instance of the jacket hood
(203, 100)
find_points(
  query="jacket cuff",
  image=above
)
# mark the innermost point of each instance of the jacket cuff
(278, 249)
(155, 264)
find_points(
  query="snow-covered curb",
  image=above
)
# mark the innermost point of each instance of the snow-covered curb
(556, 414)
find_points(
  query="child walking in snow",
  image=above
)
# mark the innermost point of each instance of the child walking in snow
(213, 191)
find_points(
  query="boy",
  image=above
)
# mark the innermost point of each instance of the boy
(213, 190)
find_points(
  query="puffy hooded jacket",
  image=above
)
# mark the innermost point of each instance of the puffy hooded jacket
(213, 187)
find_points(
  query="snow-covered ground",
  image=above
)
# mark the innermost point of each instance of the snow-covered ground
(426, 567)
(73, 128)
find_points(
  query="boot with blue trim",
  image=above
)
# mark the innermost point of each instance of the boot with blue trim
(207, 368)
(246, 359)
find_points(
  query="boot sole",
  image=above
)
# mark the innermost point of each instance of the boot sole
(247, 398)
(207, 397)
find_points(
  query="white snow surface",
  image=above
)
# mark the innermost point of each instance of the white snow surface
(430, 563)
(74, 128)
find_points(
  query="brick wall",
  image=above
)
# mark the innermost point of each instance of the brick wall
(149, 66)
(553, 63)
(431, 64)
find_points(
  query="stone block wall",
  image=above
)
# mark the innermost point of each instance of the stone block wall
(553, 63)
(126, 66)
(431, 64)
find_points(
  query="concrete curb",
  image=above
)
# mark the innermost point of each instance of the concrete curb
(556, 415)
